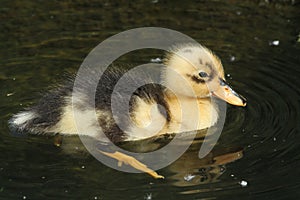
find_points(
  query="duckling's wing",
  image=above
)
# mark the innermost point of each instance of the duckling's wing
(149, 112)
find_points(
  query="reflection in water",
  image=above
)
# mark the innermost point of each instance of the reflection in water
(188, 170)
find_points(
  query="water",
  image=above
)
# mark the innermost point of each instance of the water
(40, 41)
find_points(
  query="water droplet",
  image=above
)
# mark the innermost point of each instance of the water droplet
(222, 169)
(189, 177)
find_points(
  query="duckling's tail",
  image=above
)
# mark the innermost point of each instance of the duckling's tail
(41, 117)
(22, 121)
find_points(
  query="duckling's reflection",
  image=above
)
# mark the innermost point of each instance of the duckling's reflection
(189, 169)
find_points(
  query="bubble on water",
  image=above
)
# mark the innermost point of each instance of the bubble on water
(232, 58)
(148, 196)
(229, 76)
(274, 43)
(156, 60)
(10, 94)
(243, 183)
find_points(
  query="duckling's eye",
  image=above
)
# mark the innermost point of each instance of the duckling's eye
(203, 74)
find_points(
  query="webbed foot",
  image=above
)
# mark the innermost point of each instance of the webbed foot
(129, 160)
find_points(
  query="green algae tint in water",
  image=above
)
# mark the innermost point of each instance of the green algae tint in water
(257, 42)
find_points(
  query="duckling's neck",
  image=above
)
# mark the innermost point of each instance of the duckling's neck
(188, 113)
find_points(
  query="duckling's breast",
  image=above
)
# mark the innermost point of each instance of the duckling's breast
(155, 111)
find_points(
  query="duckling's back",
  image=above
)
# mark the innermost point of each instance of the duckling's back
(54, 112)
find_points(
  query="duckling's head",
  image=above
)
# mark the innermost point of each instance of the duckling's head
(202, 70)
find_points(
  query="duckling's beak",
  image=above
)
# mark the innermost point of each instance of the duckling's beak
(226, 93)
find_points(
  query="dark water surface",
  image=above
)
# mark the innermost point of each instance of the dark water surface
(42, 40)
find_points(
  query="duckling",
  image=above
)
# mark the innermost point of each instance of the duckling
(151, 105)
